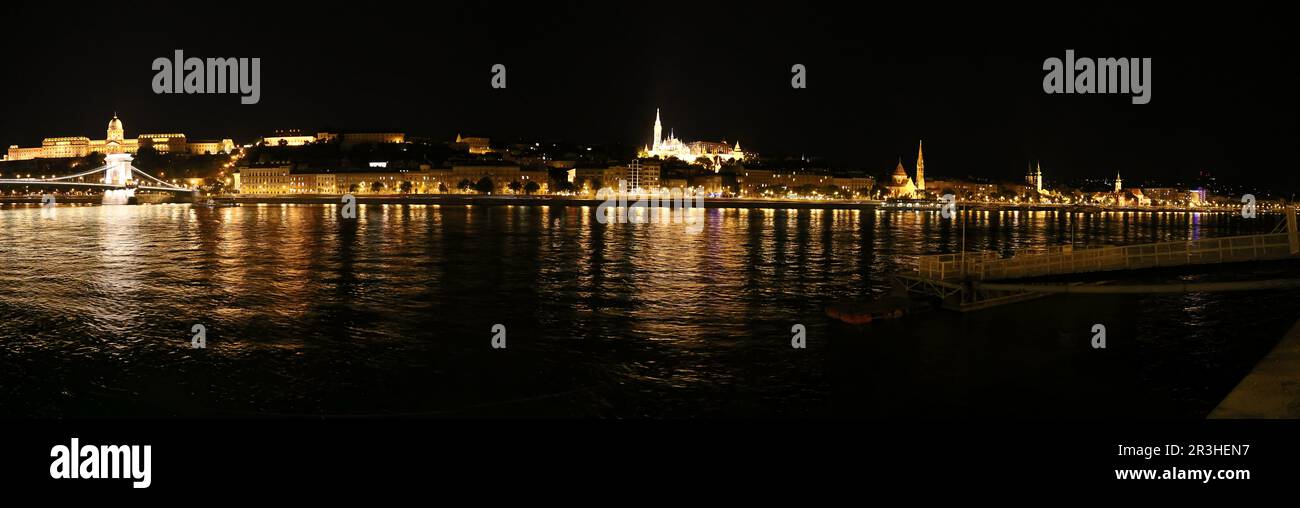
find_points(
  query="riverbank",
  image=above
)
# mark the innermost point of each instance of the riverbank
(733, 203)
(476, 200)
(1272, 388)
(462, 199)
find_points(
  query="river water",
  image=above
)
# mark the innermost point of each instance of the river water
(393, 314)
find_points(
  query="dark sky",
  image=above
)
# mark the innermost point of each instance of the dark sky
(968, 82)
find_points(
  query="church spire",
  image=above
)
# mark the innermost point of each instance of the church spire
(659, 130)
(920, 167)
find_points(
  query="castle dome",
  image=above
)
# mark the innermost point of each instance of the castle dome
(115, 124)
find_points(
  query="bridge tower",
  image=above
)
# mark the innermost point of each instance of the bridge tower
(118, 173)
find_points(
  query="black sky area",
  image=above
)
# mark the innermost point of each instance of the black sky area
(966, 80)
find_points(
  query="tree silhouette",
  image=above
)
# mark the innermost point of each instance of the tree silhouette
(484, 185)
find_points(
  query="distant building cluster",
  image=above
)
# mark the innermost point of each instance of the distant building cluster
(287, 180)
(347, 139)
(666, 163)
(115, 141)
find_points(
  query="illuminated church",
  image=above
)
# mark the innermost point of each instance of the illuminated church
(901, 185)
(664, 148)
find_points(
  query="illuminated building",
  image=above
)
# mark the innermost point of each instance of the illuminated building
(114, 142)
(262, 180)
(900, 185)
(290, 138)
(671, 146)
(164, 143)
(475, 145)
(638, 175)
(284, 179)
(858, 185)
(294, 137)
(211, 147)
(964, 189)
(1034, 178)
(755, 182)
(350, 139)
(499, 174)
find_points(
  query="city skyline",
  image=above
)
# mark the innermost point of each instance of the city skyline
(863, 107)
(664, 146)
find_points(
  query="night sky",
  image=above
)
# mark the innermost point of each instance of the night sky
(968, 82)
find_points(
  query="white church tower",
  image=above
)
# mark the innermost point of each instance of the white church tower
(659, 131)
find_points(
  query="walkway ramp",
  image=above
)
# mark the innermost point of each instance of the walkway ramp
(1272, 389)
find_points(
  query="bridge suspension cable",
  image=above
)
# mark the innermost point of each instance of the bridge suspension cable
(66, 177)
(151, 177)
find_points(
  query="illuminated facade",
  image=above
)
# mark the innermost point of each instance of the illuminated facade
(349, 139)
(288, 140)
(900, 185)
(114, 142)
(475, 145)
(760, 182)
(283, 179)
(715, 153)
(211, 147)
(1034, 179)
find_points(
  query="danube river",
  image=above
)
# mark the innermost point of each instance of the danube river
(393, 314)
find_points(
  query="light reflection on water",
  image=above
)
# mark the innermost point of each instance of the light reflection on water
(391, 314)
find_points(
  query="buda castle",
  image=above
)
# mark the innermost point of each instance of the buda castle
(116, 141)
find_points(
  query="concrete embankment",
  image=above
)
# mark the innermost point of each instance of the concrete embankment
(1272, 389)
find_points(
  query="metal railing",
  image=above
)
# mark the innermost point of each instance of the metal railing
(950, 266)
(987, 266)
